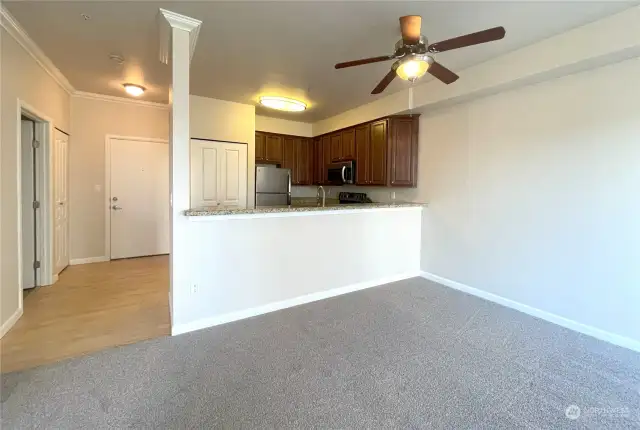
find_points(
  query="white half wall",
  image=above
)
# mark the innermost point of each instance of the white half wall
(283, 126)
(533, 197)
(243, 267)
(226, 122)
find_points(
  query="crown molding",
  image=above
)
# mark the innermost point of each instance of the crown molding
(114, 99)
(16, 31)
(167, 21)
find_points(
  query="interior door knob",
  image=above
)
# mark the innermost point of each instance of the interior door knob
(116, 208)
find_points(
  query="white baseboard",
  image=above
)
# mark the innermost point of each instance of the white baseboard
(10, 322)
(276, 306)
(77, 261)
(615, 339)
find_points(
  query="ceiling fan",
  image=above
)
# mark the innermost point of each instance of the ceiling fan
(414, 57)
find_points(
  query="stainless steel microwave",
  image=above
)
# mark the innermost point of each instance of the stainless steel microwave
(341, 173)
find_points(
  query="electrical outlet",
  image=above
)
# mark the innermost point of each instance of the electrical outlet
(194, 289)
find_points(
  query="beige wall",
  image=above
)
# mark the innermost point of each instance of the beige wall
(533, 197)
(92, 121)
(283, 126)
(226, 121)
(24, 79)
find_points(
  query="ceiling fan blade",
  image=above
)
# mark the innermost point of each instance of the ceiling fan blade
(364, 61)
(410, 27)
(384, 82)
(484, 36)
(438, 71)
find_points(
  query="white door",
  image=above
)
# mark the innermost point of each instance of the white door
(28, 211)
(139, 200)
(218, 174)
(60, 201)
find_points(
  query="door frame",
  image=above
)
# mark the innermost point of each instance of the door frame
(107, 182)
(44, 132)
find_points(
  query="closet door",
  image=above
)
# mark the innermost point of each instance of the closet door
(60, 201)
(218, 174)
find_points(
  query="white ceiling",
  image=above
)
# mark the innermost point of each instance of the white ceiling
(288, 48)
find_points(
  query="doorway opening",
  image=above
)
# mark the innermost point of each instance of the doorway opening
(35, 227)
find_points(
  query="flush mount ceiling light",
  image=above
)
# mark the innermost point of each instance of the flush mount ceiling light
(282, 103)
(413, 67)
(133, 89)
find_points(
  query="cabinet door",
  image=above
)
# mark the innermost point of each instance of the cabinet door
(326, 157)
(349, 144)
(362, 140)
(274, 150)
(402, 152)
(260, 146)
(336, 147)
(302, 163)
(317, 161)
(378, 153)
(288, 158)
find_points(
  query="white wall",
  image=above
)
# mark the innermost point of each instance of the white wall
(24, 79)
(229, 122)
(533, 196)
(283, 126)
(92, 121)
(240, 264)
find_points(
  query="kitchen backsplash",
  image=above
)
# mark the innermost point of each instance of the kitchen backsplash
(378, 195)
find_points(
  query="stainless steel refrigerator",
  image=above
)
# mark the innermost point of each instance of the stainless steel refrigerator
(273, 186)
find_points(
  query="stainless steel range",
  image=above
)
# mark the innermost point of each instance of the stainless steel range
(353, 198)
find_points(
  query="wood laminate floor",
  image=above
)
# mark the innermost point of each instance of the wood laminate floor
(91, 307)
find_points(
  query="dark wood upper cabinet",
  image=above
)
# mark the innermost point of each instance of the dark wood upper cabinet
(326, 158)
(361, 138)
(288, 157)
(349, 144)
(336, 147)
(260, 146)
(385, 152)
(274, 150)
(378, 153)
(303, 163)
(318, 161)
(403, 152)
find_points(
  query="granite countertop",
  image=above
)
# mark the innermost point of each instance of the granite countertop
(296, 207)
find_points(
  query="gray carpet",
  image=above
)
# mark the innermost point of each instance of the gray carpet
(411, 354)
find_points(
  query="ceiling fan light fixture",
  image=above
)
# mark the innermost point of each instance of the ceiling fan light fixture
(134, 90)
(283, 103)
(413, 67)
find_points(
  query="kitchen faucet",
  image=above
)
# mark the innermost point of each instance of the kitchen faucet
(320, 187)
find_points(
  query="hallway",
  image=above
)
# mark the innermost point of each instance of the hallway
(92, 307)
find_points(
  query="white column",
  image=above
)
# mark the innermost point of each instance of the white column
(178, 36)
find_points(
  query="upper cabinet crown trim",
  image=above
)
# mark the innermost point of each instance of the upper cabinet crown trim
(389, 117)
